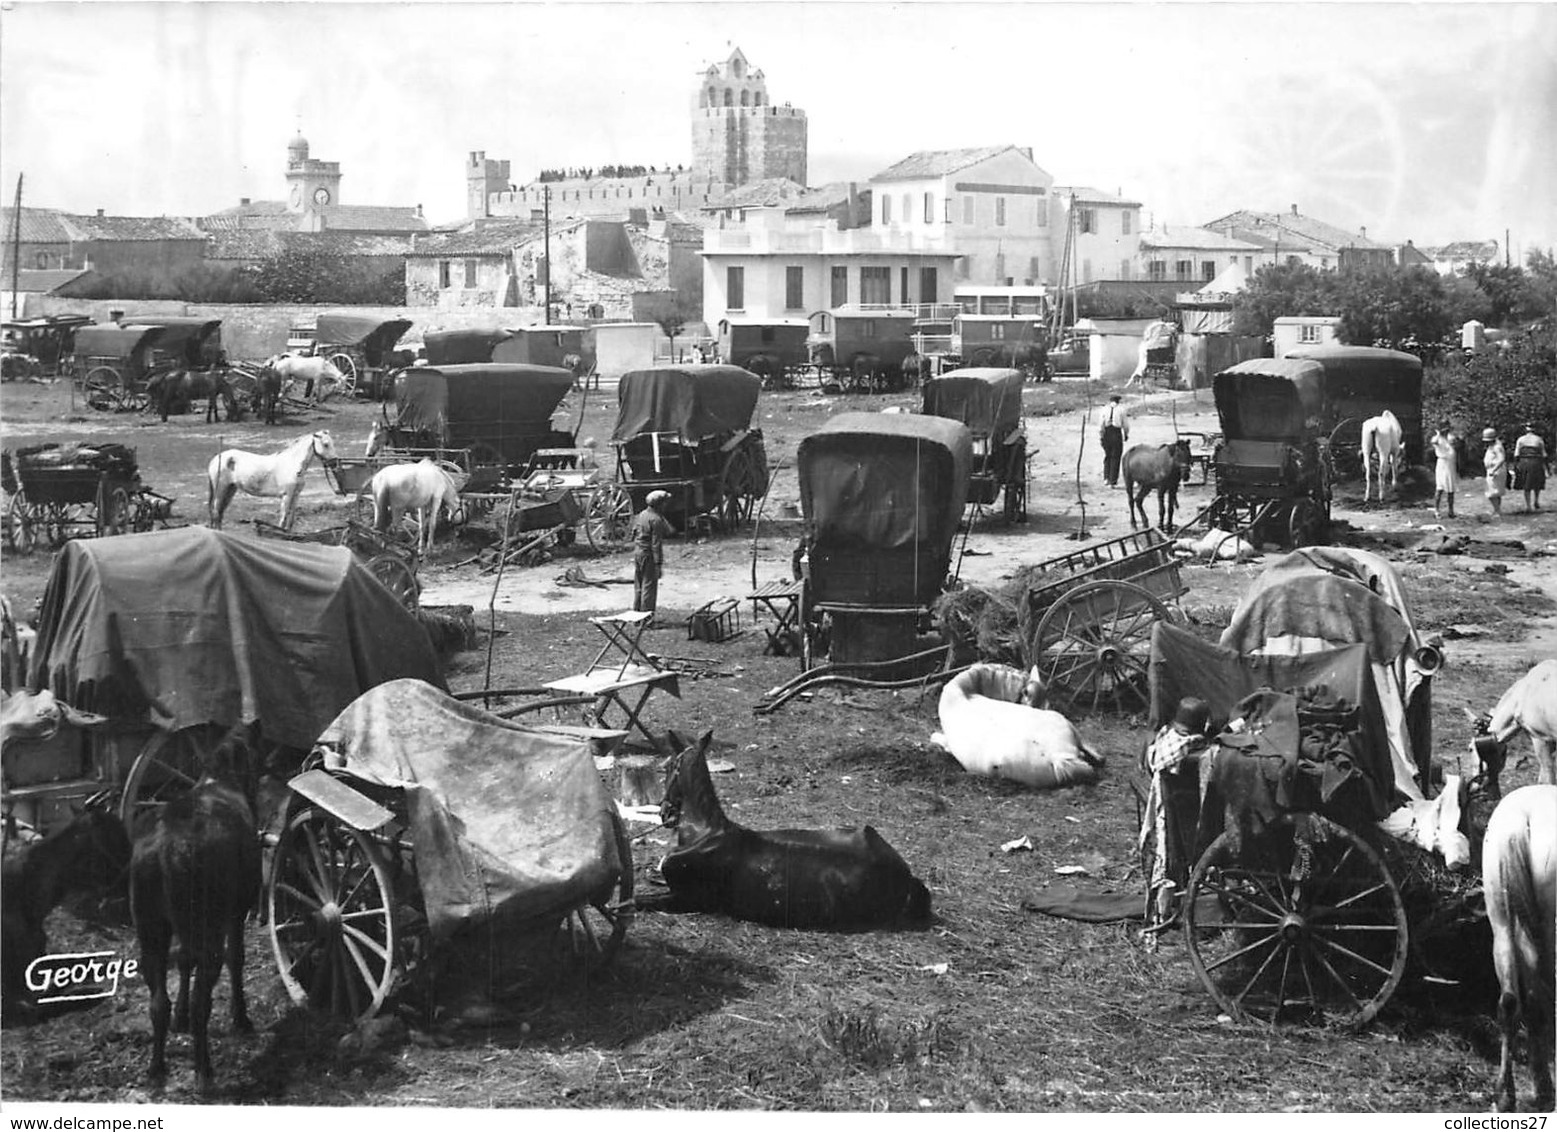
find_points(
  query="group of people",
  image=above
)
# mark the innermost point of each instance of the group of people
(1530, 459)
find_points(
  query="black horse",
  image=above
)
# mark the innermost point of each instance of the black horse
(1160, 466)
(195, 873)
(174, 391)
(92, 852)
(267, 393)
(790, 878)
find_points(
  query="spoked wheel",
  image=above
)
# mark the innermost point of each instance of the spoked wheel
(1345, 449)
(397, 577)
(23, 524)
(1299, 922)
(1093, 645)
(333, 924)
(1307, 524)
(1016, 486)
(591, 935)
(114, 512)
(349, 375)
(167, 767)
(104, 390)
(738, 489)
(608, 522)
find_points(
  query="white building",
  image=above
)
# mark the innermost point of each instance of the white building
(1194, 256)
(1107, 232)
(1289, 333)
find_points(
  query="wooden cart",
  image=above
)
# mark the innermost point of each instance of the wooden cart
(59, 493)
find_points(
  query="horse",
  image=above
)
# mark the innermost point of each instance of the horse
(378, 436)
(916, 370)
(1529, 705)
(173, 391)
(92, 852)
(422, 487)
(275, 474)
(1519, 879)
(793, 878)
(267, 393)
(195, 873)
(1382, 435)
(318, 373)
(1162, 466)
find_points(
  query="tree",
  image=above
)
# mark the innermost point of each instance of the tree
(1282, 290)
(1503, 388)
(672, 324)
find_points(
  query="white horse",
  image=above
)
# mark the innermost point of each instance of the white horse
(318, 372)
(275, 474)
(1381, 434)
(1529, 705)
(1519, 880)
(422, 487)
(378, 436)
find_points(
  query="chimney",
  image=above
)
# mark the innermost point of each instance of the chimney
(100, 212)
(419, 212)
(1363, 231)
(243, 200)
(1294, 210)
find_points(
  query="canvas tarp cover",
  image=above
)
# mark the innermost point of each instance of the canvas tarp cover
(510, 825)
(1270, 399)
(882, 481)
(694, 402)
(987, 400)
(1363, 381)
(180, 332)
(108, 341)
(373, 334)
(195, 626)
(461, 347)
(507, 408)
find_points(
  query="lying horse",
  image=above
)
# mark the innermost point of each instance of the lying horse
(1519, 878)
(1382, 435)
(1162, 466)
(790, 878)
(90, 853)
(275, 474)
(174, 391)
(318, 374)
(195, 873)
(422, 487)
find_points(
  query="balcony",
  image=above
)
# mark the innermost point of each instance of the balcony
(757, 240)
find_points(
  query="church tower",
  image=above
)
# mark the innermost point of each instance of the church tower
(310, 183)
(483, 177)
(738, 135)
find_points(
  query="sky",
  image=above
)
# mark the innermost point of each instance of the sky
(1430, 122)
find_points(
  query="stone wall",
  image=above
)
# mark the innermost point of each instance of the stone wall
(743, 144)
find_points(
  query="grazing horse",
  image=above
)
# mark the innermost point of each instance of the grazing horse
(195, 873)
(792, 878)
(91, 852)
(1519, 879)
(1529, 705)
(1381, 434)
(422, 487)
(1162, 466)
(276, 474)
(316, 372)
(173, 391)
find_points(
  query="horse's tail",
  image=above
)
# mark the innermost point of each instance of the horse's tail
(1519, 902)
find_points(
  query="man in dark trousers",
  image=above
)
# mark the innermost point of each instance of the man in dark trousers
(1114, 431)
(648, 532)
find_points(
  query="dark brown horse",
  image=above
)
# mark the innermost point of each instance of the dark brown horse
(789, 878)
(1160, 466)
(174, 391)
(91, 853)
(267, 394)
(195, 873)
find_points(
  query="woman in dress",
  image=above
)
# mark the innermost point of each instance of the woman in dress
(1530, 462)
(1495, 461)
(1446, 477)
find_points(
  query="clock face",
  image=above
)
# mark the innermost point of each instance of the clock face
(321, 195)
(297, 196)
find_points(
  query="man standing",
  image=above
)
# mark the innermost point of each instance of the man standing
(649, 529)
(1114, 432)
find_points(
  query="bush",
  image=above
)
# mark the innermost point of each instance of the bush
(1502, 388)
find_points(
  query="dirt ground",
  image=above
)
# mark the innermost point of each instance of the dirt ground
(993, 1008)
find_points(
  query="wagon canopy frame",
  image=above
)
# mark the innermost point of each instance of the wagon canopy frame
(186, 341)
(989, 401)
(501, 412)
(358, 345)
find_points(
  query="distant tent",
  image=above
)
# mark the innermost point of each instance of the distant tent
(1232, 279)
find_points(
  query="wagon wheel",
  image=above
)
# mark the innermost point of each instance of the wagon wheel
(349, 374)
(737, 488)
(608, 522)
(1306, 523)
(1094, 642)
(167, 767)
(104, 389)
(23, 524)
(333, 925)
(1302, 920)
(114, 513)
(591, 934)
(397, 577)
(1016, 486)
(1345, 448)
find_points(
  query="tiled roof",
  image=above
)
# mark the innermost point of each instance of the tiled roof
(135, 228)
(244, 243)
(354, 243)
(1283, 226)
(491, 238)
(758, 194)
(1086, 194)
(1200, 239)
(39, 225)
(271, 215)
(33, 281)
(938, 162)
(824, 197)
(371, 218)
(1484, 251)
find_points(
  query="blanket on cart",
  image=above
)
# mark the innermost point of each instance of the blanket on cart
(511, 827)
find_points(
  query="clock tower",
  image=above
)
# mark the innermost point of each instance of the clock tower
(310, 183)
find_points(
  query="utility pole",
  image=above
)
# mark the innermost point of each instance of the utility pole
(16, 246)
(546, 221)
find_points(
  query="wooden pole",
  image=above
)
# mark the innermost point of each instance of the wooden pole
(16, 247)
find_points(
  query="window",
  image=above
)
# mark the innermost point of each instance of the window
(470, 273)
(876, 285)
(840, 294)
(903, 287)
(1124, 222)
(1000, 265)
(1157, 271)
(445, 274)
(997, 331)
(1086, 271)
(1208, 269)
(1309, 335)
(927, 285)
(1042, 209)
(1184, 269)
(967, 210)
(794, 288)
(868, 326)
(908, 208)
(1086, 220)
(1000, 213)
(929, 208)
(1248, 265)
(735, 288)
(886, 209)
